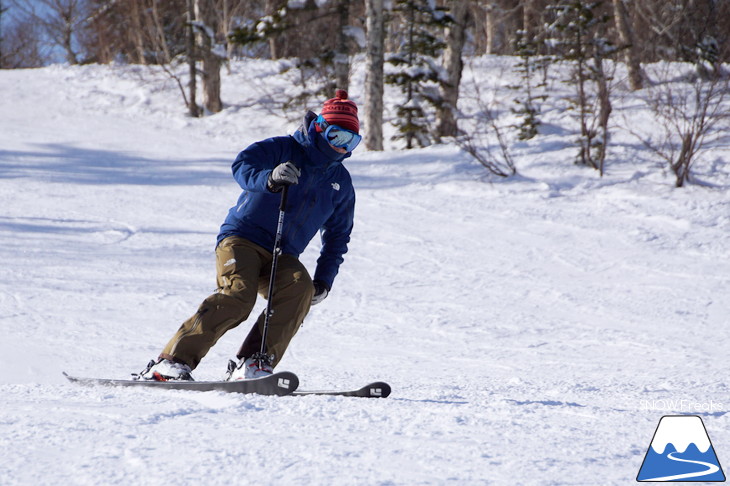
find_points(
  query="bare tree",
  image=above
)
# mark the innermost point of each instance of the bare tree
(486, 139)
(502, 18)
(211, 53)
(342, 51)
(690, 115)
(626, 35)
(603, 98)
(2, 39)
(273, 7)
(191, 56)
(454, 65)
(135, 31)
(529, 13)
(61, 20)
(159, 40)
(315, 37)
(374, 74)
(232, 11)
(676, 30)
(495, 27)
(21, 45)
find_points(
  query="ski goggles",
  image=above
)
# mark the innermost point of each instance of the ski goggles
(338, 136)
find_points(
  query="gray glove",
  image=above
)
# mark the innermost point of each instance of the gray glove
(284, 174)
(320, 292)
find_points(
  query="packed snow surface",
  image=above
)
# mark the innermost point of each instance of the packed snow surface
(534, 329)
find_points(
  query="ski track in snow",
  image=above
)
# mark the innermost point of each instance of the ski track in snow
(521, 323)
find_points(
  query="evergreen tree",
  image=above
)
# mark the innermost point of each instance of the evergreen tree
(262, 29)
(415, 68)
(529, 104)
(580, 26)
(317, 36)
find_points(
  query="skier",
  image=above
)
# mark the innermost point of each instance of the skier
(321, 198)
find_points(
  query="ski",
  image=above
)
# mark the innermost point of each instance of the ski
(378, 389)
(281, 383)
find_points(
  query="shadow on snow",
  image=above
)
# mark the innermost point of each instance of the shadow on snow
(64, 163)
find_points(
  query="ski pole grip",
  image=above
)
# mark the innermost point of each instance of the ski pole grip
(284, 194)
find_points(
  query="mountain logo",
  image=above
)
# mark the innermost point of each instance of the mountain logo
(681, 451)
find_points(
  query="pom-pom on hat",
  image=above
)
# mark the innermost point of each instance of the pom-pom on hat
(341, 112)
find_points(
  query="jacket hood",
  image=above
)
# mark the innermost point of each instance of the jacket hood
(319, 151)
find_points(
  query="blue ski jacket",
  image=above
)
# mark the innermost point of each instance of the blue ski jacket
(323, 200)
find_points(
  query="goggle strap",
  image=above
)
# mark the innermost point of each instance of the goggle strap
(353, 139)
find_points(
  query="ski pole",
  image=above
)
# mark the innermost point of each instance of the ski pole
(274, 262)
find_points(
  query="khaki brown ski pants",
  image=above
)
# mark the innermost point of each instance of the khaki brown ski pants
(244, 269)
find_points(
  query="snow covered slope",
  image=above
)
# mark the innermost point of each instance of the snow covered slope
(534, 330)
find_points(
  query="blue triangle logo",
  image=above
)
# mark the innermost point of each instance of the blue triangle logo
(681, 451)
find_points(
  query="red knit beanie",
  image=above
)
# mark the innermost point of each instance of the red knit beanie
(341, 112)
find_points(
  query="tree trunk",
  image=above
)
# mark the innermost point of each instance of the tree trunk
(501, 19)
(491, 26)
(626, 34)
(159, 36)
(68, 17)
(528, 19)
(137, 32)
(454, 65)
(374, 74)
(274, 41)
(2, 50)
(342, 53)
(232, 11)
(604, 110)
(205, 13)
(192, 103)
